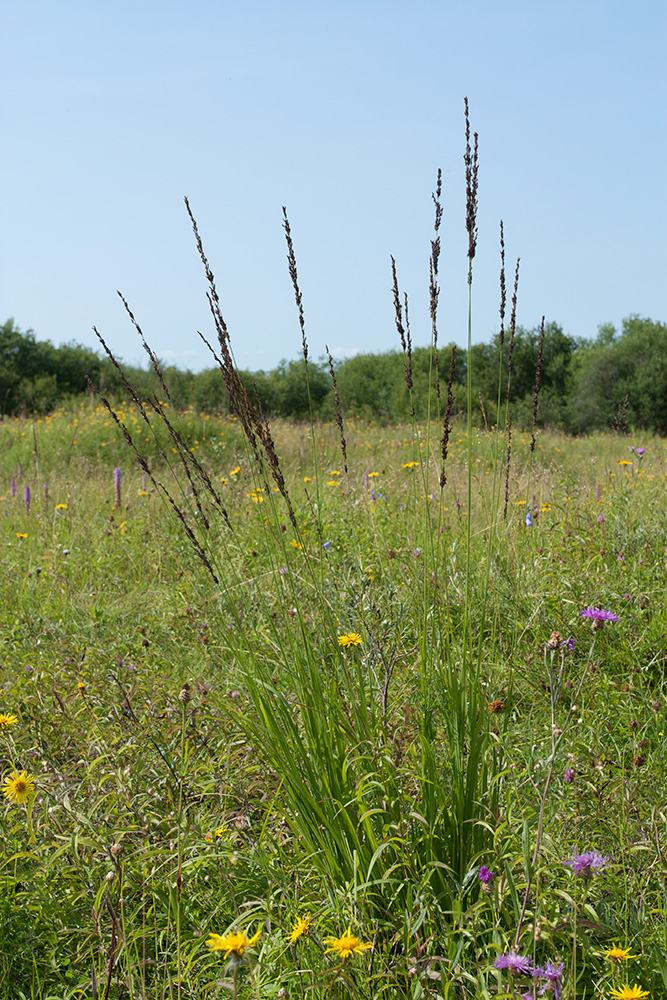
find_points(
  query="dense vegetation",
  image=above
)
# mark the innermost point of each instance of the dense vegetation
(381, 754)
(620, 378)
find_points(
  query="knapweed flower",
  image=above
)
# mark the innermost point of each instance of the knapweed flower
(347, 944)
(301, 927)
(619, 954)
(233, 944)
(568, 777)
(587, 863)
(486, 875)
(7, 721)
(19, 787)
(350, 639)
(553, 974)
(599, 616)
(517, 965)
(630, 993)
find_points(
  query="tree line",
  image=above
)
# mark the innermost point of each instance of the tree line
(617, 379)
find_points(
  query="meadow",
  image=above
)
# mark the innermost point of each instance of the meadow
(389, 731)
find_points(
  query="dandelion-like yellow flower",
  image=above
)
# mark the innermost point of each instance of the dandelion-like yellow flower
(301, 927)
(410, 465)
(307, 479)
(350, 639)
(630, 993)
(7, 721)
(61, 506)
(235, 471)
(332, 482)
(21, 534)
(19, 787)
(619, 954)
(347, 944)
(81, 686)
(233, 944)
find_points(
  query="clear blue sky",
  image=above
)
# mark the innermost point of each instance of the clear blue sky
(111, 112)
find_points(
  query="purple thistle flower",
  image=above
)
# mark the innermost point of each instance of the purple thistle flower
(568, 777)
(517, 965)
(486, 875)
(553, 974)
(116, 486)
(588, 863)
(26, 498)
(640, 451)
(599, 616)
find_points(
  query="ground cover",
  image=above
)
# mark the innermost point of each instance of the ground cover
(356, 742)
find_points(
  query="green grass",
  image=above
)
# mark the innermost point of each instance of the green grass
(361, 786)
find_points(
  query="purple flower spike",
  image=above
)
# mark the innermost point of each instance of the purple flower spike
(116, 486)
(26, 497)
(588, 863)
(568, 777)
(517, 965)
(486, 875)
(529, 519)
(12, 486)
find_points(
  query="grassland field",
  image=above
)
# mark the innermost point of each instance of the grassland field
(381, 754)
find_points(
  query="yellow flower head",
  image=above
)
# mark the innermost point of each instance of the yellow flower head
(19, 787)
(302, 926)
(350, 639)
(61, 506)
(410, 465)
(347, 944)
(233, 944)
(235, 471)
(81, 686)
(630, 993)
(7, 721)
(619, 954)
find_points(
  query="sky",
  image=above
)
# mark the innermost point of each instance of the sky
(112, 112)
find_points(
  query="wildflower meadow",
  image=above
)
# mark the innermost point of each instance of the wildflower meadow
(329, 710)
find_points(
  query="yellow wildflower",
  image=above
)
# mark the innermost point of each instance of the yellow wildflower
(233, 944)
(347, 944)
(7, 721)
(630, 993)
(19, 787)
(301, 927)
(619, 954)
(350, 639)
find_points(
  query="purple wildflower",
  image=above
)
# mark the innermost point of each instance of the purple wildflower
(517, 965)
(26, 498)
(326, 546)
(640, 451)
(529, 519)
(601, 518)
(553, 974)
(587, 863)
(116, 486)
(12, 486)
(568, 644)
(485, 875)
(568, 777)
(599, 616)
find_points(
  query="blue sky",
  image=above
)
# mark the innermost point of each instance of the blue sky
(112, 112)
